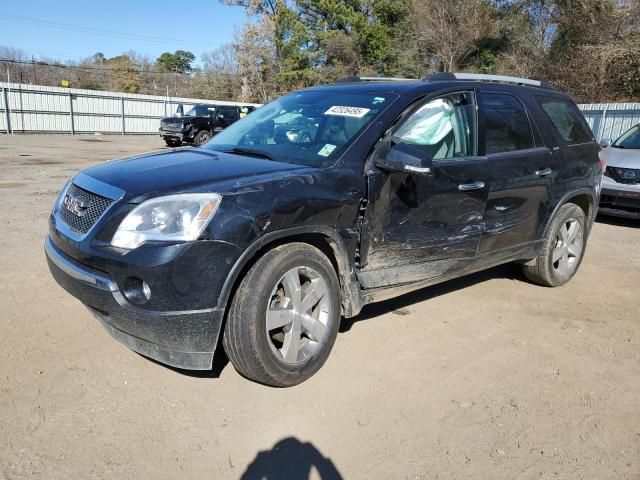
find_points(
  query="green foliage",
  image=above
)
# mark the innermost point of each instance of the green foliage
(124, 75)
(179, 62)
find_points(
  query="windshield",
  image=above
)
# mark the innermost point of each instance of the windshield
(629, 139)
(308, 128)
(200, 111)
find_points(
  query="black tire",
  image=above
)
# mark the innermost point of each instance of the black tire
(546, 271)
(202, 137)
(250, 347)
(172, 143)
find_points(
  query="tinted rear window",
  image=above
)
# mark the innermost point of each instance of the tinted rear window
(507, 126)
(567, 119)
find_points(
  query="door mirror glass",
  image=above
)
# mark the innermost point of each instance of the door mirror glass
(405, 158)
(605, 142)
(220, 116)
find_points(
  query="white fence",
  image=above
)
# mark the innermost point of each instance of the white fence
(35, 108)
(610, 120)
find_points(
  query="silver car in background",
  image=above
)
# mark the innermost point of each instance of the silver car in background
(621, 182)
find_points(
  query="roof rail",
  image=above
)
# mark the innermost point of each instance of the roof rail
(375, 79)
(444, 76)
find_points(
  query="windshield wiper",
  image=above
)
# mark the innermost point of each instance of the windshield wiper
(249, 152)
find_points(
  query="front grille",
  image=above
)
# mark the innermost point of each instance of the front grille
(620, 202)
(95, 206)
(623, 175)
(171, 125)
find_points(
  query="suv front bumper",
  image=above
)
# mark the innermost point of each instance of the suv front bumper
(183, 339)
(619, 199)
(172, 134)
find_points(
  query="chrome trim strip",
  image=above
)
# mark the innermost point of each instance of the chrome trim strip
(76, 272)
(497, 78)
(411, 168)
(96, 186)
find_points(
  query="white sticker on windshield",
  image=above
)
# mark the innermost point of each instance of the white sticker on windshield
(341, 111)
(326, 150)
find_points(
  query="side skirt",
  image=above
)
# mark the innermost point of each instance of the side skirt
(481, 262)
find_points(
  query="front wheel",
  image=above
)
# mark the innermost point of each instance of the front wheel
(201, 138)
(284, 317)
(563, 249)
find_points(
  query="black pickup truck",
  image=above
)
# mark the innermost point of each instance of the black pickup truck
(200, 123)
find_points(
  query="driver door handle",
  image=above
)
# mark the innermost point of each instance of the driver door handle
(466, 187)
(544, 172)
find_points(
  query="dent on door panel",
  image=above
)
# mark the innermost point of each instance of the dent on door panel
(414, 231)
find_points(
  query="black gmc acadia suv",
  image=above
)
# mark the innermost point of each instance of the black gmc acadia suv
(267, 240)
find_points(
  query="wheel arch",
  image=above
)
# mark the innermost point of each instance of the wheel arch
(327, 240)
(585, 199)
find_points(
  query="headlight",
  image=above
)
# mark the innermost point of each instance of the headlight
(292, 135)
(172, 218)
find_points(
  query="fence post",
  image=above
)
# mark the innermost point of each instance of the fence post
(6, 110)
(123, 123)
(71, 124)
(603, 119)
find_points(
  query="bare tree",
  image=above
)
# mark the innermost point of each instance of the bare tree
(257, 62)
(447, 31)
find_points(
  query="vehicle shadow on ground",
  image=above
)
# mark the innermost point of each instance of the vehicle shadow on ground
(618, 221)
(291, 459)
(511, 271)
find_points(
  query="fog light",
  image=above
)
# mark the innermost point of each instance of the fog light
(136, 290)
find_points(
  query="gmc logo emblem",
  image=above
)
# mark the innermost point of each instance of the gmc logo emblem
(75, 205)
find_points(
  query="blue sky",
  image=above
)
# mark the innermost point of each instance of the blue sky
(174, 25)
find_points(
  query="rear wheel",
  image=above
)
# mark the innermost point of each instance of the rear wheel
(563, 249)
(201, 137)
(284, 317)
(172, 143)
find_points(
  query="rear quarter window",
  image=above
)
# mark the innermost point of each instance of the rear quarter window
(567, 120)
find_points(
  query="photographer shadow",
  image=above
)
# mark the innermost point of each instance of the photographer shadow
(291, 459)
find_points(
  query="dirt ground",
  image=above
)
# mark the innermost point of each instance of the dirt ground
(485, 377)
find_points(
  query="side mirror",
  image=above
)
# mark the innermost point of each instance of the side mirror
(220, 116)
(406, 158)
(605, 142)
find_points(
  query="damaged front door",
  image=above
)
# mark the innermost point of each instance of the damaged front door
(426, 203)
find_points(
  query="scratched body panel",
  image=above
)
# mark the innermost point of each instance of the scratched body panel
(423, 226)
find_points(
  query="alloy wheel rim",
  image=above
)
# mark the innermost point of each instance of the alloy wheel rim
(568, 247)
(297, 315)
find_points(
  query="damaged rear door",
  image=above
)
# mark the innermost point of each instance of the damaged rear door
(424, 216)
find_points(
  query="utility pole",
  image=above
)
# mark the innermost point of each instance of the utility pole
(175, 89)
(35, 77)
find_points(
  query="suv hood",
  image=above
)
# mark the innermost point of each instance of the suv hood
(622, 157)
(183, 170)
(180, 119)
